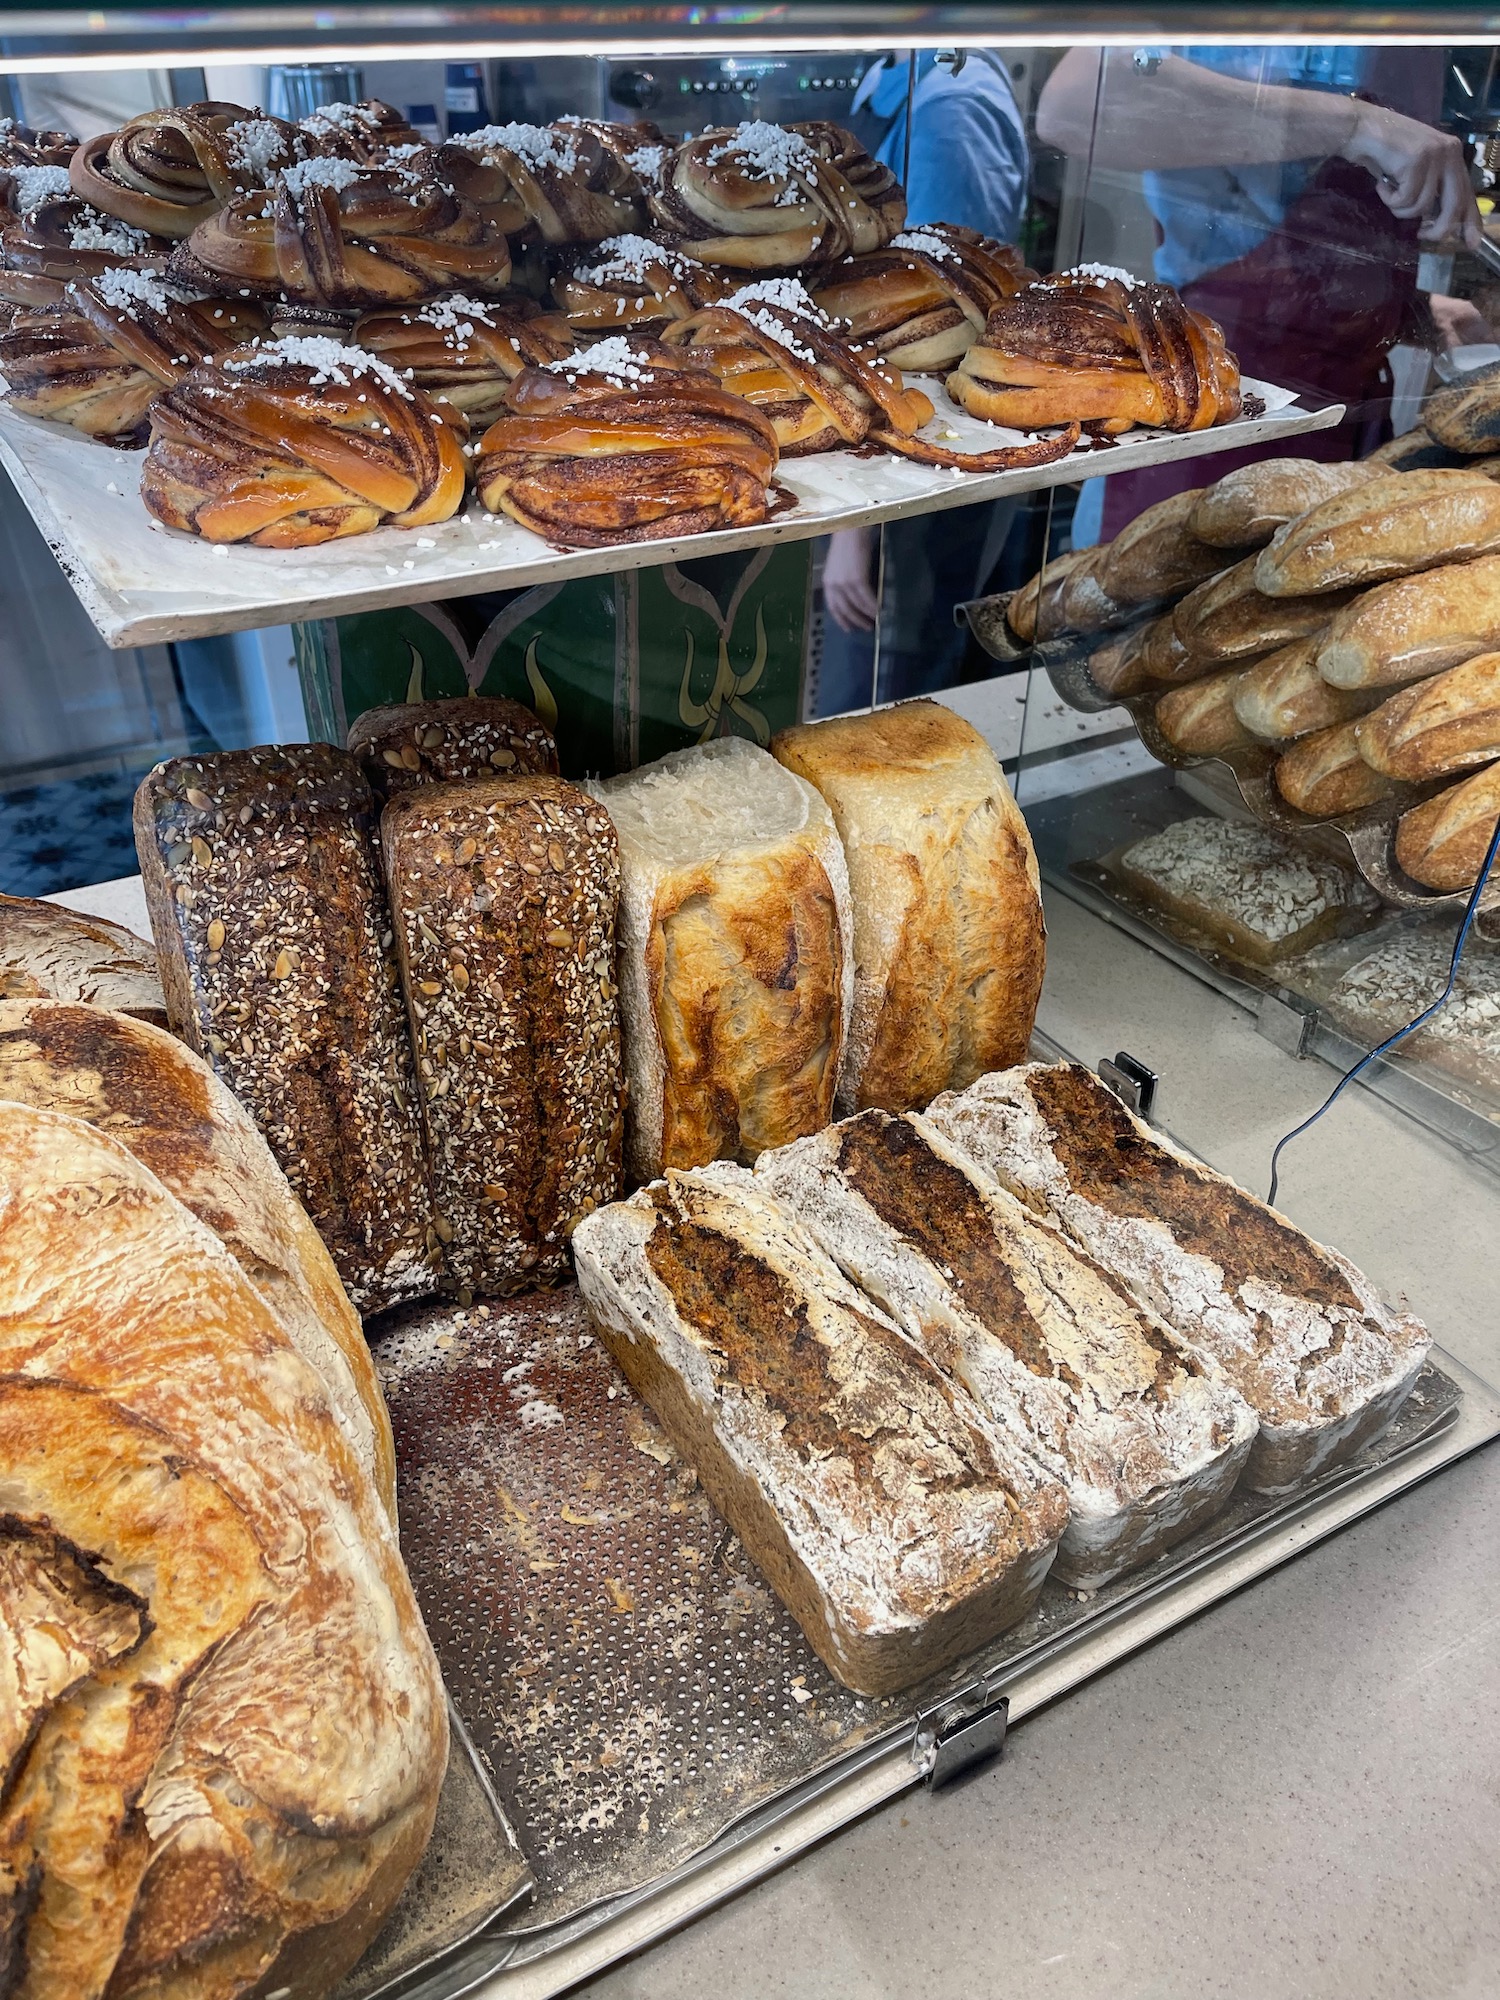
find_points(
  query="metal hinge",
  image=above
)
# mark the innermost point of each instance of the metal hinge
(1131, 1080)
(957, 1734)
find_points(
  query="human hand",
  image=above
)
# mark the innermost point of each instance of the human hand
(849, 593)
(1419, 172)
(1459, 323)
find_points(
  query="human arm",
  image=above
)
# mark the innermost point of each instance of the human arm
(849, 593)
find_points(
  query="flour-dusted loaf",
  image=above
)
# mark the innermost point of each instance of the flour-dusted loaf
(51, 953)
(1324, 774)
(1146, 1440)
(1229, 618)
(949, 943)
(143, 1087)
(504, 895)
(1387, 527)
(736, 955)
(1413, 626)
(898, 1525)
(1402, 977)
(226, 1799)
(1284, 696)
(1446, 724)
(1442, 842)
(1201, 719)
(449, 742)
(1246, 507)
(277, 961)
(1323, 1361)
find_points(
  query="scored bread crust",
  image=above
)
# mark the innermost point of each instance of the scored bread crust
(1439, 726)
(949, 941)
(1442, 842)
(1387, 527)
(267, 1761)
(1300, 1332)
(1413, 626)
(736, 955)
(169, 1109)
(1246, 507)
(48, 952)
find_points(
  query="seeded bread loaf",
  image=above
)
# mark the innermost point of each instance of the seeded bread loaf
(1303, 1336)
(279, 970)
(1413, 626)
(448, 742)
(1387, 527)
(51, 953)
(1415, 451)
(1157, 554)
(1228, 618)
(1284, 696)
(1324, 774)
(1442, 842)
(1465, 415)
(1446, 724)
(1146, 1441)
(1201, 719)
(1402, 977)
(1246, 507)
(900, 1528)
(736, 955)
(504, 895)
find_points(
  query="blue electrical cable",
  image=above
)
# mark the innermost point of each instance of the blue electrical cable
(1411, 1027)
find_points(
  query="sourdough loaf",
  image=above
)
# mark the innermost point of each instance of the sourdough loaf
(1386, 527)
(448, 742)
(1246, 507)
(1117, 663)
(736, 955)
(278, 966)
(1081, 602)
(1324, 774)
(949, 944)
(1302, 1335)
(1413, 626)
(51, 953)
(1157, 554)
(1034, 613)
(1146, 1441)
(1284, 696)
(1229, 618)
(1446, 724)
(898, 1525)
(1442, 842)
(229, 1800)
(504, 896)
(1165, 658)
(167, 1107)
(1201, 719)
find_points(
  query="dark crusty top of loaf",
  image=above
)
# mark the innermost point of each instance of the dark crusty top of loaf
(449, 742)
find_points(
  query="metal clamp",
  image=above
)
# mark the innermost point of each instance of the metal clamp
(1131, 1080)
(959, 1733)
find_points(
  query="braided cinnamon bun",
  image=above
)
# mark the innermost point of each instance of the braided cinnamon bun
(337, 235)
(59, 240)
(630, 284)
(642, 148)
(768, 197)
(625, 442)
(1097, 345)
(25, 146)
(168, 171)
(296, 443)
(463, 352)
(367, 133)
(100, 359)
(553, 183)
(923, 300)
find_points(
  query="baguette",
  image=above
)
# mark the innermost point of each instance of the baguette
(949, 943)
(1117, 663)
(1447, 724)
(1246, 507)
(1324, 774)
(736, 955)
(1229, 618)
(1285, 696)
(51, 953)
(448, 742)
(1200, 719)
(898, 1525)
(1082, 604)
(1388, 527)
(1415, 626)
(1164, 657)
(1300, 1333)
(504, 896)
(1442, 842)
(1033, 613)
(1156, 555)
(1094, 1386)
(273, 936)
(1465, 416)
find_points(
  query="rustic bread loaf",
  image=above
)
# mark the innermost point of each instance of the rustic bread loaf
(1465, 415)
(1414, 626)
(1200, 719)
(1442, 842)
(1447, 724)
(1034, 611)
(229, 1801)
(736, 955)
(1147, 1443)
(1229, 618)
(1157, 554)
(448, 742)
(1302, 1335)
(898, 1525)
(1165, 658)
(51, 953)
(1415, 451)
(1324, 774)
(1402, 977)
(143, 1087)
(1387, 527)
(1117, 663)
(278, 965)
(949, 943)
(504, 895)
(1252, 892)
(1284, 696)
(1246, 507)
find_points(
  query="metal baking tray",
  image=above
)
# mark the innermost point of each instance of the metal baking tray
(657, 1728)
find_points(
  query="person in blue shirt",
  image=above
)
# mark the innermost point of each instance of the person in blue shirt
(961, 154)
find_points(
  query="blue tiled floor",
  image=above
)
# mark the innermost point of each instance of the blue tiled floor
(64, 835)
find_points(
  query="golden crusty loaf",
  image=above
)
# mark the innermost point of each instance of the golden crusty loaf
(1033, 613)
(151, 1093)
(1442, 842)
(1163, 656)
(1246, 507)
(1324, 774)
(1437, 727)
(1231, 618)
(1157, 555)
(231, 1806)
(736, 955)
(1413, 626)
(1200, 719)
(1117, 664)
(448, 742)
(51, 953)
(949, 943)
(1465, 416)
(1284, 695)
(1082, 603)
(900, 1527)
(1386, 527)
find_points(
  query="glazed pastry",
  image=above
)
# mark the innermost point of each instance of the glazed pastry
(167, 171)
(630, 284)
(924, 299)
(337, 235)
(465, 352)
(58, 239)
(625, 441)
(642, 147)
(24, 146)
(99, 359)
(367, 133)
(559, 183)
(1097, 345)
(295, 443)
(768, 197)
